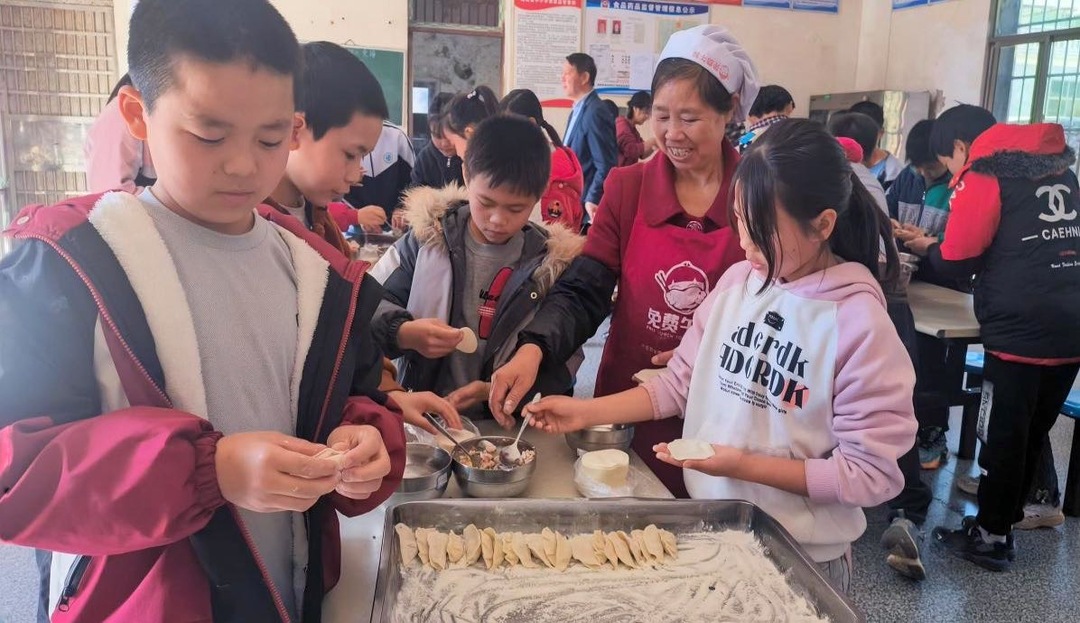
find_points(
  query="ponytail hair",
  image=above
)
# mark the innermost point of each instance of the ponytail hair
(469, 109)
(797, 164)
(525, 103)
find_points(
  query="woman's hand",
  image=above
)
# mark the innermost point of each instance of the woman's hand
(415, 404)
(558, 414)
(511, 382)
(464, 398)
(662, 359)
(724, 461)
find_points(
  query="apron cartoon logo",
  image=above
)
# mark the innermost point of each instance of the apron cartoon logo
(685, 286)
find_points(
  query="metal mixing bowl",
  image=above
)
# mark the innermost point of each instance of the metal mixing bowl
(494, 483)
(909, 258)
(427, 472)
(608, 437)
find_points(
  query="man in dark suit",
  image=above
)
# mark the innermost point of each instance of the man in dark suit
(590, 132)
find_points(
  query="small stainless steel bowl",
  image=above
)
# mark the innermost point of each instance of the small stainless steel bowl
(608, 437)
(427, 472)
(909, 258)
(494, 483)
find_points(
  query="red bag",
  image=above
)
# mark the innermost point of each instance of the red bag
(561, 202)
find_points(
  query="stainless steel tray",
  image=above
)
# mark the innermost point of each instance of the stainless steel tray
(582, 516)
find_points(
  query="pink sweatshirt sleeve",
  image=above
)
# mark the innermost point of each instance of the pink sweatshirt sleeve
(113, 156)
(670, 390)
(873, 415)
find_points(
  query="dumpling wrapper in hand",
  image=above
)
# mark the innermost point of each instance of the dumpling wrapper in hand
(583, 551)
(690, 450)
(455, 548)
(422, 545)
(473, 545)
(653, 544)
(437, 550)
(406, 543)
(563, 555)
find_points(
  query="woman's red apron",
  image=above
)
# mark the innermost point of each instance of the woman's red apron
(667, 271)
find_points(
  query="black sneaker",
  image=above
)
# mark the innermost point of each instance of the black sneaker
(967, 543)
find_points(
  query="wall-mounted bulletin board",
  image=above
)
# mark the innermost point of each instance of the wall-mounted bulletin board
(905, 4)
(545, 33)
(389, 69)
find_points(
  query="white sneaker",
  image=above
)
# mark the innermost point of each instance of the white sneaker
(1040, 516)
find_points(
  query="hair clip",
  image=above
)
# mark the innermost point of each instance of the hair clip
(473, 94)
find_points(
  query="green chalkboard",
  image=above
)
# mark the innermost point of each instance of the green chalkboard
(389, 69)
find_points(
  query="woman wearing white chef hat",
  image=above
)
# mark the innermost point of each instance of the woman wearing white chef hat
(661, 234)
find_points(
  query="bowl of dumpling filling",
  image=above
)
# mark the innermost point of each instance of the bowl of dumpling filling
(483, 473)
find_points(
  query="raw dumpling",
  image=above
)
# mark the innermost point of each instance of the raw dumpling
(455, 548)
(507, 540)
(536, 546)
(622, 550)
(583, 551)
(549, 543)
(562, 552)
(667, 539)
(487, 547)
(473, 546)
(437, 550)
(636, 541)
(496, 548)
(610, 553)
(406, 543)
(422, 545)
(653, 544)
(521, 548)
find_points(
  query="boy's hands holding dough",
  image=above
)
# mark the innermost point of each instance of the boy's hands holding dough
(267, 471)
(364, 461)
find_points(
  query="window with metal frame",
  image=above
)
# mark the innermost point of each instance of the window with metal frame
(1033, 69)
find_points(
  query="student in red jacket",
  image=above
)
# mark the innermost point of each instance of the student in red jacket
(1012, 224)
(174, 365)
(662, 234)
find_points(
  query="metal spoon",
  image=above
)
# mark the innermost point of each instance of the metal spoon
(511, 454)
(466, 458)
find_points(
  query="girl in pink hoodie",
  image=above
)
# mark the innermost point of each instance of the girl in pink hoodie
(792, 370)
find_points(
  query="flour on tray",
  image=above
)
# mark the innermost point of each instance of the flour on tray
(719, 576)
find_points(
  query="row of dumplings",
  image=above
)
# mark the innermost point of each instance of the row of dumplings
(439, 550)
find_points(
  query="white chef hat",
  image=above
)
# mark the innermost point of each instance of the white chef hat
(714, 48)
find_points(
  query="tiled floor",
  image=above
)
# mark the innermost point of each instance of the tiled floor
(1044, 585)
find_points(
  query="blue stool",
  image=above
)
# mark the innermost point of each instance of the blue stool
(1071, 409)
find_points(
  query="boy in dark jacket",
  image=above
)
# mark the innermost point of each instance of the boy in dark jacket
(1014, 206)
(474, 263)
(919, 198)
(175, 368)
(438, 164)
(339, 121)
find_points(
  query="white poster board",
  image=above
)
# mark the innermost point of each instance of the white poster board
(545, 33)
(625, 39)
